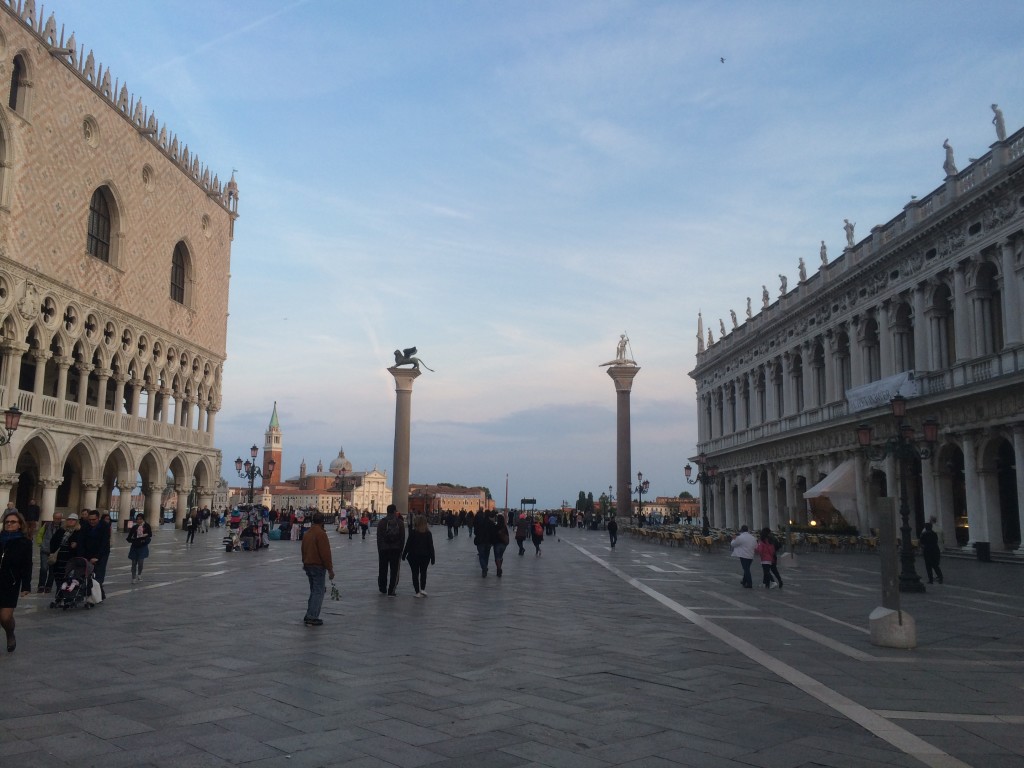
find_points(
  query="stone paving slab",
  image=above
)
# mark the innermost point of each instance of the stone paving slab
(642, 656)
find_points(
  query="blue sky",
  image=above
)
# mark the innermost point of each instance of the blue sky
(510, 186)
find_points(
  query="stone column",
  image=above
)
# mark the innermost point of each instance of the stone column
(83, 386)
(857, 377)
(885, 355)
(404, 377)
(13, 352)
(1011, 298)
(102, 376)
(961, 318)
(211, 418)
(48, 502)
(181, 505)
(150, 406)
(152, 504)
(977, 520)
(124, 506)
(133, 407)
(773, 498)
(90, 494)
(756, 511)
(37, 386)
(922, 330)
(1018, 453)
(119, 381)
(623, 376)
(63, 364)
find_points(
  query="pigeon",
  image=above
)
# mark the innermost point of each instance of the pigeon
(722, 60)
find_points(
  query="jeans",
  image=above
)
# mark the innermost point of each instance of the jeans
(613, 537)
(484, 551)
(317, 576)
(748, 581)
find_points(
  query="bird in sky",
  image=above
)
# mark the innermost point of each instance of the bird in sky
(722, 60)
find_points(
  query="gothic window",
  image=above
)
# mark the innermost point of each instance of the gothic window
(180, 268)
(17, 98)
(98, 240)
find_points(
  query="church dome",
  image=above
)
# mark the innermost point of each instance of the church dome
(341, 464)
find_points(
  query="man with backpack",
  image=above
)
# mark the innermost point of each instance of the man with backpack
(390, 542)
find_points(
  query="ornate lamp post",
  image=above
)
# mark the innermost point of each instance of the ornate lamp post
(249, 471)
(642, 486)
(12, 418)
(904, 448)
(705, 476)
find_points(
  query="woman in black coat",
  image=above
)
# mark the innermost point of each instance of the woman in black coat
(15, 570)
(419, 551)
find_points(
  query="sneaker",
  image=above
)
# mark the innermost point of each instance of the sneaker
(392, 594)
(139, 577)
(419, 594)
(313, 622)
(423, 594)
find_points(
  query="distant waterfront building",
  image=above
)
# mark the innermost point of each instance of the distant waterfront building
(362, 490)
(115, 245)
(929, 306)
(427, 499)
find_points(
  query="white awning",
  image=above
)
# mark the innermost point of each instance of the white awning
(839, 486)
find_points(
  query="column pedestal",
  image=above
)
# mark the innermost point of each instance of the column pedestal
(623, 376)
(404, 377)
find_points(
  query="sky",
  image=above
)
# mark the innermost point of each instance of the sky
(510, 186)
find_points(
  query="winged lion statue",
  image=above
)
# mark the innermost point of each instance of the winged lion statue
(408, 357)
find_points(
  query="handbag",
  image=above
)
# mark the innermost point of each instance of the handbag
(51, 559)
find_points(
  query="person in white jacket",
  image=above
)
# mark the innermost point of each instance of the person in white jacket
(743, 548)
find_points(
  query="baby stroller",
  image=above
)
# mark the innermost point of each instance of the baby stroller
(75, 588)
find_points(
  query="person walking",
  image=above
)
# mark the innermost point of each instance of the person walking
(32, 516)
(96, 543)
(743, 547)
(613, 532)
(390, 543)
(537, 534)
(419, 552)
(777, 543)
(522, 532)
(931, 553)
(317, 563)
(190, 525)
(484, 538)
(765, 550)
(500, 542)
(364, 523)
(15, 570)
(43, 538)
(138, 540)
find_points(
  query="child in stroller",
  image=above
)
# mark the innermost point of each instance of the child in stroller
(76, 586)
(232, 541)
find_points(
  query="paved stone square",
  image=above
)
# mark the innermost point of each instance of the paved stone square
(582, 658)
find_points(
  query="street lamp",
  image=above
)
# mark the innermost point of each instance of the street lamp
(705, 476)
(903, 447)
(249, 471)
(642, 486)
(12, 418)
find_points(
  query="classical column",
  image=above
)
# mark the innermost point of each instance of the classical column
(770, 397)
(977, 520)
(1011, 296)
(40, 357)
(152, 504)
(922, 330)
(103, 377)
(13, 352)
(124, 505)
(181, 504)
(211, 418)
(623, 376)
(773, 497)
(90, 494)
(48, 502)
(727, 505)
(885, 355)
(133, 407)
(63, 364)
(857, 377)
(961, 318)
(404, 377)
(120, 380)
(756, 511)
(1018, 454)
(166, 392)
(810, 392)
(83, 385)
(150, 405)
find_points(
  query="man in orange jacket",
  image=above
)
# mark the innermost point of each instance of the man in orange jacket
(316, 562)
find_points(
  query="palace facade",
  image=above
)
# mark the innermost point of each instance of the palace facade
(927, 306)
(115, 245)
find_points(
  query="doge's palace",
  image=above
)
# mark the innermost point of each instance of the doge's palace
(115, 244)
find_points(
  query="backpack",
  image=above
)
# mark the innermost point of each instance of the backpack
(538, 529)
(393, 532)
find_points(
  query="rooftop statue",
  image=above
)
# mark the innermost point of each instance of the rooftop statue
(803, 270)
(949, 166)
(997, 121)
(408, 357)
(848, 229)
(765, 298)
(750, 312)
(732, 314)
(621, 356)
(783, 283)
(721, 328)
(823, 252)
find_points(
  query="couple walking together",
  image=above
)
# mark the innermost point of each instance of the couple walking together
(491, 533)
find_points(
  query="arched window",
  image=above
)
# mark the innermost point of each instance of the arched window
(872, 350)
(98, 241)
(179, 273)
(16, 100)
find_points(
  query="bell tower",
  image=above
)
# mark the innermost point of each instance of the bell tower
(272, 450)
